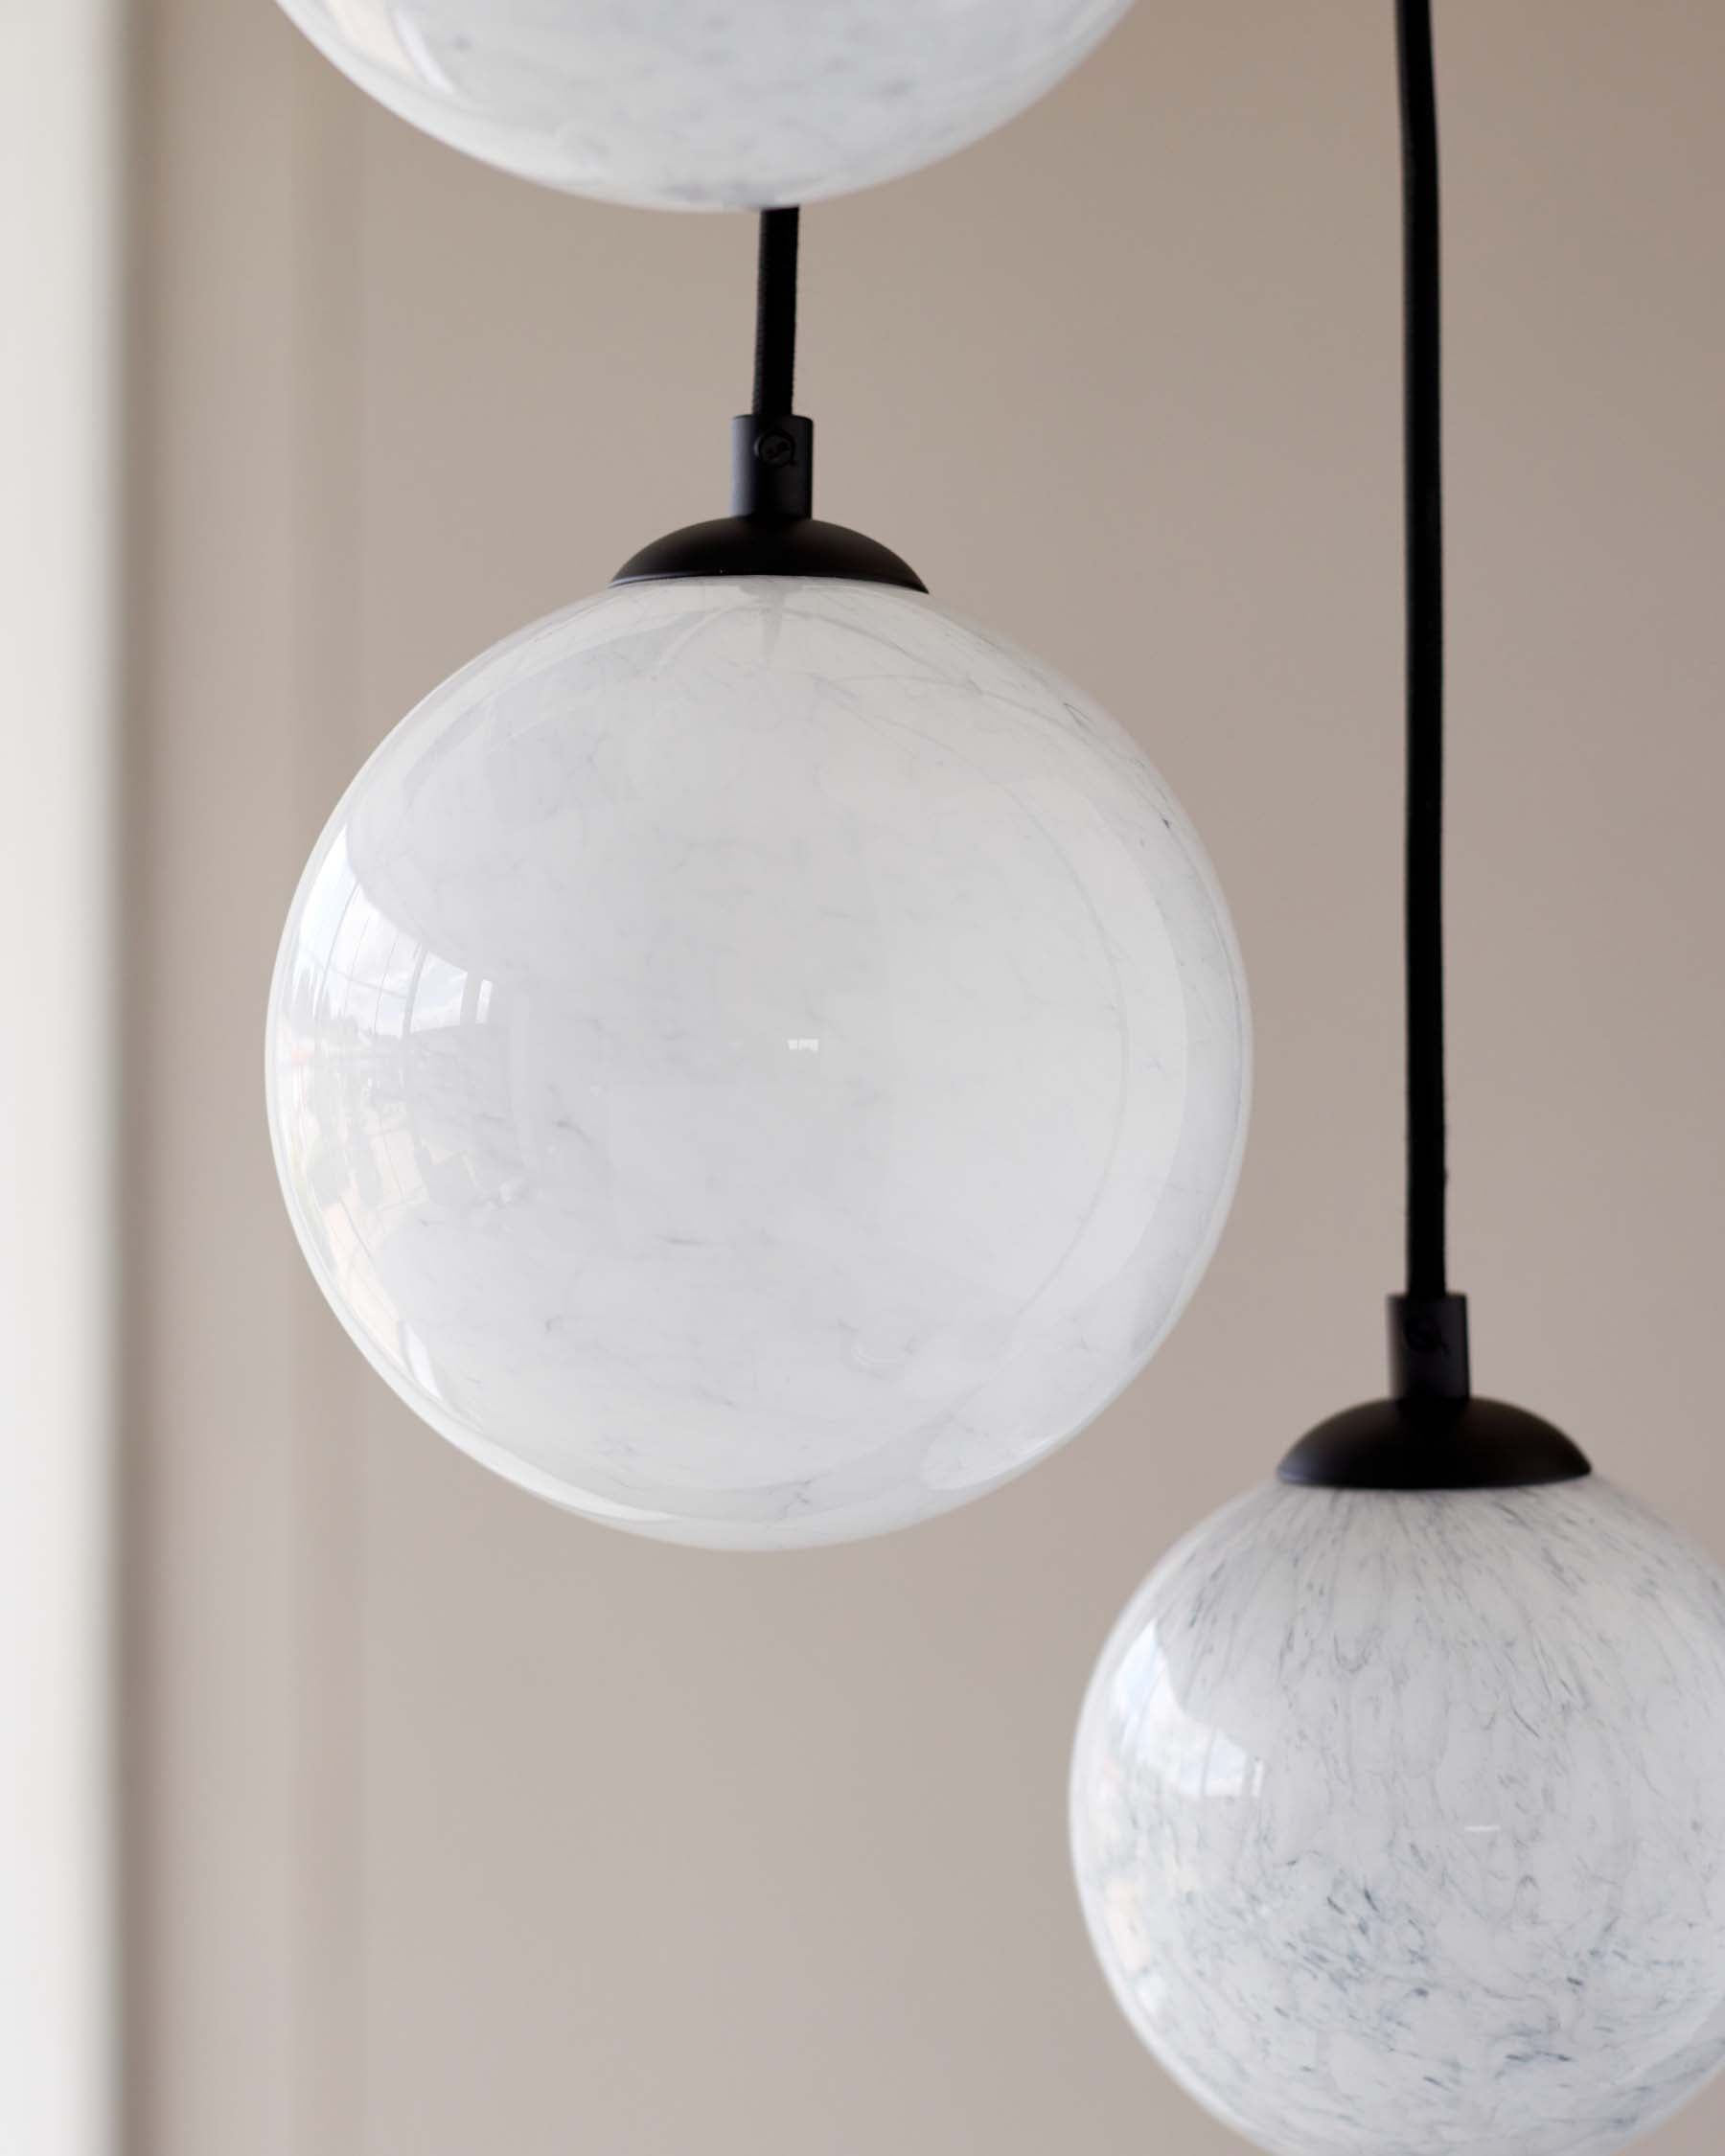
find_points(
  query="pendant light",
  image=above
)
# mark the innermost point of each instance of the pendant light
(1399, 1797)
(707, 104)
(756, 1058)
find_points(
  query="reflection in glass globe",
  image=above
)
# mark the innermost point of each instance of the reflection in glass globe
(759, 1061)
(1399, 1819)
(707, 104)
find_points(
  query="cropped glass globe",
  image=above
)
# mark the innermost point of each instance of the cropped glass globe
(1399, 1819)
(757, 1060)
(707, 104)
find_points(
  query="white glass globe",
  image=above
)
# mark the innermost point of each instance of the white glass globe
(1399, 1819)
(707, 104)
(757, 1060)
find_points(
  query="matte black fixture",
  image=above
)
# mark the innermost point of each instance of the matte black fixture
(771, 530)
(1431, 1434)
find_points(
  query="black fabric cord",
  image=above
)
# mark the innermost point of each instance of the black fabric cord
(1427, 1167)
(775, 315)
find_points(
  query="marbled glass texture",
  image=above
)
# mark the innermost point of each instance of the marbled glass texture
(707, 104)
(757, 1062)
(1399, 1820)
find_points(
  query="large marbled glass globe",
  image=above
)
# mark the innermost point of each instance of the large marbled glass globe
(757, 1060)
(707, 104)
(1399, 1819)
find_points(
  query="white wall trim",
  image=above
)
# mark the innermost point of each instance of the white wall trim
(60, 127)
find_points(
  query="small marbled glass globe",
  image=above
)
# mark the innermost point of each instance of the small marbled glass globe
(1399, 1819)
(757, 1060)
(707, 104)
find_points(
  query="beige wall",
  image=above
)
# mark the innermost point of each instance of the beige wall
(456, 1826)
